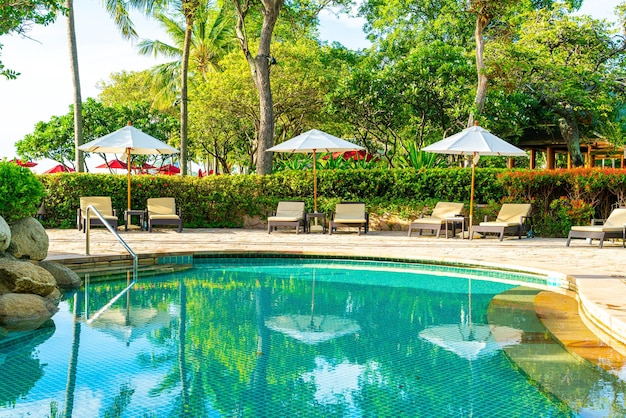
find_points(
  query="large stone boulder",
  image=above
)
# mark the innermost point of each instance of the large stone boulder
(66, 278)
(24, 277)
(5, 234)
(24, 311)
(28, 240)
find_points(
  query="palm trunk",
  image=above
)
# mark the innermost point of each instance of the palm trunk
(481, 89)
(78, 105)
(184, 114)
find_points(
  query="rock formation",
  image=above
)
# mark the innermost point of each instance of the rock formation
(29, 287)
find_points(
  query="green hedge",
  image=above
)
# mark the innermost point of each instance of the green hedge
(560, 198)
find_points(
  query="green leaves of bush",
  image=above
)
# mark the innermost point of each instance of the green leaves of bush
(20, 192)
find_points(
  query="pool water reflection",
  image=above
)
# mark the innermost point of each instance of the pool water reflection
(273, 338)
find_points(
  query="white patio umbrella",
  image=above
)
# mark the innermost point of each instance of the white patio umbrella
(128, 140)
(315, 141)
(475, 141)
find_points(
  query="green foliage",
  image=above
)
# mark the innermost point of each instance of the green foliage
(20, 192)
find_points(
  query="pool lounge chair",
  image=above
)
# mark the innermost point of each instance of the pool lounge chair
(103, 205)
(612, 227)
(349, 215)
(512, 218)
(436, 222)
(288, 213)
(163, 211)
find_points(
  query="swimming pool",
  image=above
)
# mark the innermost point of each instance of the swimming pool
(281, 337)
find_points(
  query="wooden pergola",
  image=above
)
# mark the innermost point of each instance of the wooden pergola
(551, 143)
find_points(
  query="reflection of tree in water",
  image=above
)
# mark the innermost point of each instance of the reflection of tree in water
(21, 363)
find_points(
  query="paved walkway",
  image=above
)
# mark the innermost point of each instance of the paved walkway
(598, 274)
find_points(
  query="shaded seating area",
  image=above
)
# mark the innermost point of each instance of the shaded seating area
(612, 227)
(163, 211)
(513, 218)
(288, 213)
(436, 221)
(103, 205)
(349, 215)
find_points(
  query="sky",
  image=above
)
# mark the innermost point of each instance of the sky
(44, 88)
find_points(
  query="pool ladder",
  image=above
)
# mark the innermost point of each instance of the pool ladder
(115, 234)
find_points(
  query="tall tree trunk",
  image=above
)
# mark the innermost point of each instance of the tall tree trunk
(78, 104)
(481, 88)
(569, 130)
(184, 114)
(260, 68)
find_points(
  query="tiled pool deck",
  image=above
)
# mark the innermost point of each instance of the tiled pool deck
(597, 275)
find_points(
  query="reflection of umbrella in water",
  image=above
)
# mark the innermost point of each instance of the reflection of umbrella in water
(315, 141)
(132, 323)
(472, 341)
(469, 340)
(475, 141)
(314, 328)
(128, 140)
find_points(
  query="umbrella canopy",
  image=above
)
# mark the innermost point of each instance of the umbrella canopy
(28, 164)
(475, 141)
(472, 341)
(169, 169)
(59, 168)
(313, 329)
(116, 164)
(354, 155)
(128, 140)
(315, 141)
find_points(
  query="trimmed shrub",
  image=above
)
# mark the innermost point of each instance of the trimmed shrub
(20, 192)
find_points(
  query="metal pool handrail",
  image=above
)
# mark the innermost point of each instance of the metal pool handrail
(115, 234)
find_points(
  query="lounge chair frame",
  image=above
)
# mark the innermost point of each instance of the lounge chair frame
(349, 223)
(103, 205)
(289, 213)
(591, 233)
(518, 229)
(175, 219)
(438, 219)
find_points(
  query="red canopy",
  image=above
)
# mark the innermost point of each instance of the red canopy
(169, 169)
(354, 155)
(117, 164)
(23, 163)
(59, 168)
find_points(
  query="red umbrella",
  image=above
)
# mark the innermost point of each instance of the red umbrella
(59, 168)
(23, 163)
(355, 155)
(169, 169)
(117, 164)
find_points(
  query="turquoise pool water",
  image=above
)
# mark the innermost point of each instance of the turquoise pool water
(274, 338)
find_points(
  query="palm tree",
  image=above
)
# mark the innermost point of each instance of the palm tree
(212, 39)
(118, 9)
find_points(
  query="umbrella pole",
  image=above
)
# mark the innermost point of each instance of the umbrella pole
(471, 211)
(128, 175)
(314, 183)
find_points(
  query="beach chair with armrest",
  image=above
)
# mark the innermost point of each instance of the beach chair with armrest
(350, 215)
(163, 211)
(512, 218)
(613, 227)
(288, 213)
(103, 205)
(436, 221)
